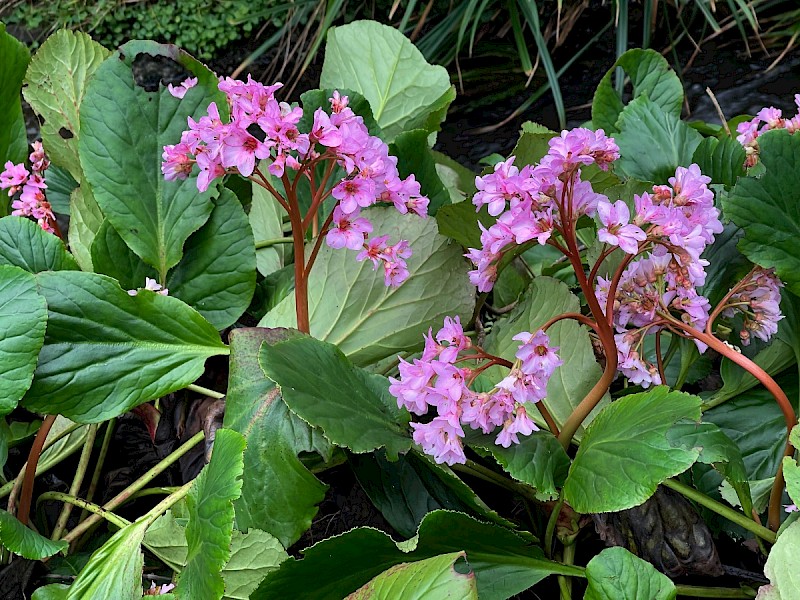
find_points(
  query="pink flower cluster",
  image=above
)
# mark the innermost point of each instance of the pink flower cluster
(757, 299)
(436, 380)
(32, 201)
(536, 201)
(680, 220)
(341, 136)
(765, 120)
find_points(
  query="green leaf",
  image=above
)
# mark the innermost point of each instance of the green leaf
(755, 424)
(84, 223)
(718, 450)
(781, 567)
(791, 472)
(350, 306)
(14, 57)
(616, 574)
(643, 127)
(538, 460)
(414, 157)
(412, 486)
(625, 454)
(23, 541)
(353, 408)
(381, 64)
(766, 208)
(56, 83)
(210, 526)
(545, 299)
(458, 179)
(111, 256)
(217, 275)
(434, 578)
(106, 351)
(265, 221)
(650, 75)
(54, 591)
(460, 222)
(23, 319)
(253, 555)
(504, 563)
(271, 290)
(279, 495)
(722, 159)
(26, 245)
(115, 569)
(123, 130)
(60, 185)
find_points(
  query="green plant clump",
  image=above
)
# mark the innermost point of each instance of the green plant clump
(201, 27)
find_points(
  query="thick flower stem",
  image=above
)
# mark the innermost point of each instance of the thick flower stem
(774, 514)
(30, 470)
(300, 279)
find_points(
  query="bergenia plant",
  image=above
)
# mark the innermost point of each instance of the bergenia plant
(653, 291)
(263, 129)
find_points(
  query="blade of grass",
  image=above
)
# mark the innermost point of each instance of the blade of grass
(531, 12)
(519, 39)
(412, 4)
(475, 23)
(622, 43)
(541, 90)
(650, 8)
(333, 10)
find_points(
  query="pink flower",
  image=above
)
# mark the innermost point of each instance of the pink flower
(323, 132)
(349, 231)
(177, 162)
(521, 424)
(13, 177)
(210, 169)
(411, 390)
(240, 150)
(441, 439)
(536, 354)
(617, 231)
(453, 334)
(179, 91)
(353, 193)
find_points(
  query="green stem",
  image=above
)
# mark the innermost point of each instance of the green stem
(565, 582)
(551, 527)
(162, 507)
(725, 511)
(71, 500)
(155, 491)
(98, 467)
(77, 481)
(714, 592)
(137, 485)
(274, 242)
(205, 391)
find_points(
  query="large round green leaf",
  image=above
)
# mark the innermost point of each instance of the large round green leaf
(279, 495)
(625, 452)
(616, 574)
(123, 131)
(350, 306)
(106, 351)
(645, 127)
(56, 83)
(14, 57)
(85, 220)
(217, 274)
(650, 75)
(767, 208)
(381, 64)
(434, 578)
(23, 317)
(111, 256)
(504, 563)
(352, 406)
(24, 244)
(545, 299)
